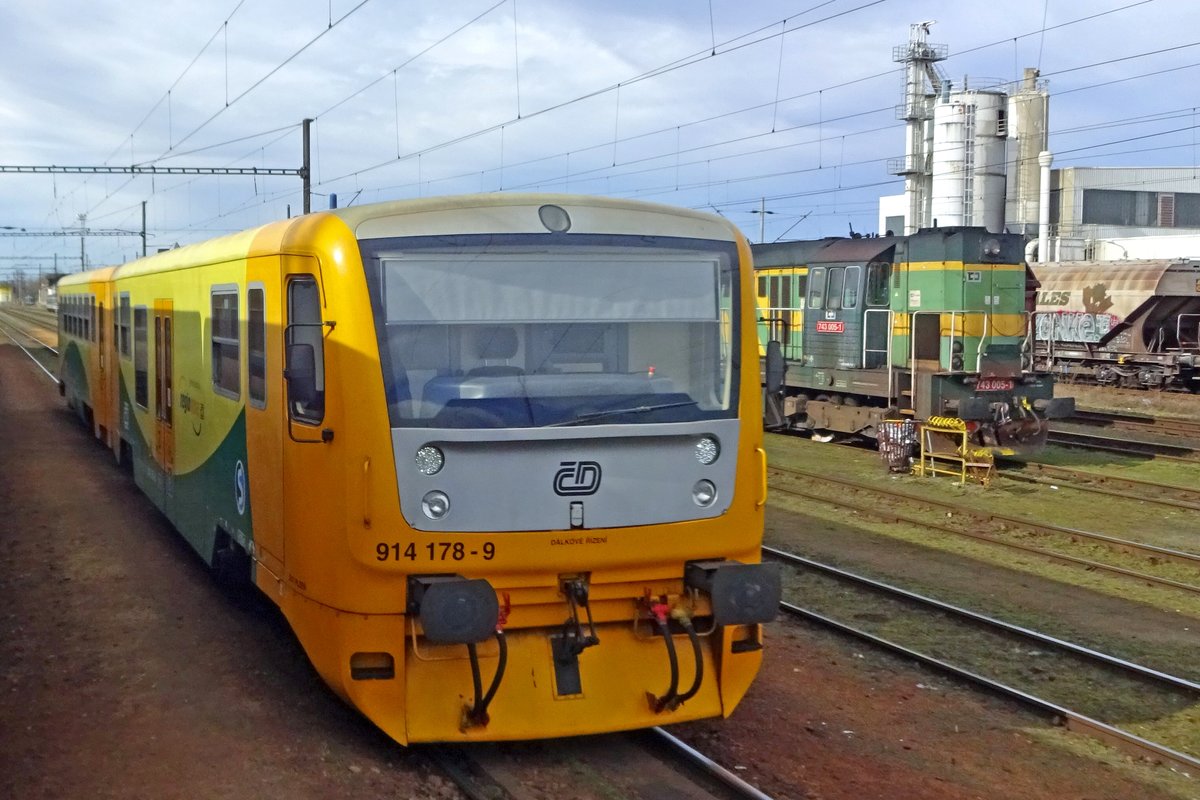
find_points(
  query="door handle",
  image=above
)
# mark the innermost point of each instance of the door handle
(762, 461)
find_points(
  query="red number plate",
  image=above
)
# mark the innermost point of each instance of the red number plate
(824, 326)
(994, 385)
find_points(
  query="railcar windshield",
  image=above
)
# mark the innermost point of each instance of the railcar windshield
(517, 332)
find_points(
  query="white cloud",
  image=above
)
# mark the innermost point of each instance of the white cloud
(76, 79)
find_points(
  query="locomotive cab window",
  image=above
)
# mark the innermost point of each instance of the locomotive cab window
(833, 297)
(816, 288)
(226, 361)
(305, 358)
(877, 283)
(850, 293)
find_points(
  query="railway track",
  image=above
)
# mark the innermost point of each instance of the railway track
(1113, 444)
(30, 320)
(1140, 423)
(1161, 559)
(42, 354)
(1109, 485)
(1163, 691)
(641, 765)
(653, 763)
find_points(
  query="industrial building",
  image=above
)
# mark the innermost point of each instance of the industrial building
(978, 155)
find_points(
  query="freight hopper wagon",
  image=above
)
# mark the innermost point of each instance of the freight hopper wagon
(1129, 323)
(498, 458)
(856, 331)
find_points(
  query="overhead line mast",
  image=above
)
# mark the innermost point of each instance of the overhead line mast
(303, 172)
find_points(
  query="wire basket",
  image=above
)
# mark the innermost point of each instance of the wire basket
(897, 444)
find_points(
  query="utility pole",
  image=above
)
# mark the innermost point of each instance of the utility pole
(762, 218)
(305, 171)
(82, 239)
(143, 229)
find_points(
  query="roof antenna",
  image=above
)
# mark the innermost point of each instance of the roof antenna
(853, 235)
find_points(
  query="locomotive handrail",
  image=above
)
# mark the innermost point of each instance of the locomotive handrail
(1027, 342)
(887, 351)
(778, 325)
(983, 337)
(912, 344)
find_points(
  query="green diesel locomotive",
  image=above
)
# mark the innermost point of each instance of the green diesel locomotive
(856, 331)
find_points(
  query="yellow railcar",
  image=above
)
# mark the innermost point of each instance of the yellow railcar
(497, 458)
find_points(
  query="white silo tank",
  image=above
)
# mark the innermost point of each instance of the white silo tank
(948, 199)
(969, 129)
(988, 189)
(1028, 115)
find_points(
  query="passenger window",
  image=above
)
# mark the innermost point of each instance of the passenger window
(124, 322)
(226, 359)
(801, 291)
(256, 344)
(141, 359)
(306, 330)
(816, 288)
(850, 295)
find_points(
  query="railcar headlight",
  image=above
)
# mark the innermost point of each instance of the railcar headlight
(957, 346)
(707, 450)
(429, 460)
(991, 248)
(555, 218)
(435, 504)
(704, 493)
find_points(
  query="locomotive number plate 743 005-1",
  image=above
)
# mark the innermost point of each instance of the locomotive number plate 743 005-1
(433, 551)
(994, 385)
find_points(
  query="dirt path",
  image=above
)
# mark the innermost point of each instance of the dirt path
(124, 671)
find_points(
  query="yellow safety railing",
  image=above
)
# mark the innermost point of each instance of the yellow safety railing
(945, 451)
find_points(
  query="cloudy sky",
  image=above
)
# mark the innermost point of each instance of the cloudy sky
(728, 105)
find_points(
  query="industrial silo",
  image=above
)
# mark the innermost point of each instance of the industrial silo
(1028, 116)
(969, 131)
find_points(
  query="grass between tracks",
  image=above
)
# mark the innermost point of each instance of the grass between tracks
(1158, 715)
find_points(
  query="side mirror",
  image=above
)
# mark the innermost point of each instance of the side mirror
(301, 373)
(776, 367)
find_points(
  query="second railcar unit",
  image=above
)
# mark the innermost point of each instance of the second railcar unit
(931, 324)
(1134, 324)
(497, 458)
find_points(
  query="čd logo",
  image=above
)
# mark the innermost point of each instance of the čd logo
(577, 478)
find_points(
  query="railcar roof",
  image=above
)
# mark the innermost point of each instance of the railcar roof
(518, 212)
(371, 220)
(83, 278)
(833, 250)
(1145, 276)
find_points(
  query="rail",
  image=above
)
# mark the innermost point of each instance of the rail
(1074, 720)
(32, 357)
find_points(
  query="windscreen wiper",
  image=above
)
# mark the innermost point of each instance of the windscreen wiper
(588, 416)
